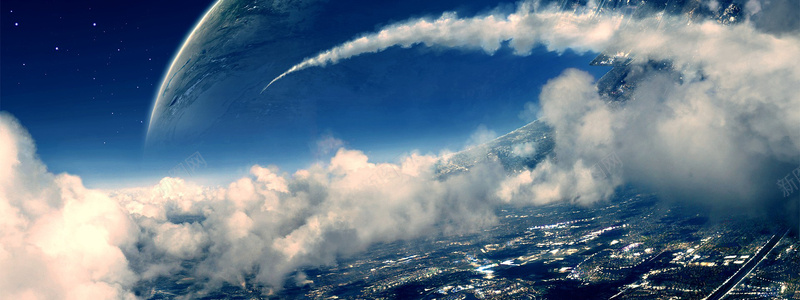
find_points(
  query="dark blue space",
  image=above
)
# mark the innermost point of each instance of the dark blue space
(81, 76)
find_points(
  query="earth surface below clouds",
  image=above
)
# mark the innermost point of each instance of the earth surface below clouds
(629, 248)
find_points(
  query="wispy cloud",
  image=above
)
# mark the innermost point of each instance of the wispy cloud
(522, 30)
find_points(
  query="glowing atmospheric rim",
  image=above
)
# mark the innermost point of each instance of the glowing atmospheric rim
(174, 61)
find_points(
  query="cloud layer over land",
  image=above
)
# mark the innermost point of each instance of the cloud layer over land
(722, 133)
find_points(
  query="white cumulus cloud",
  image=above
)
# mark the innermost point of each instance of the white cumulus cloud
(58, 240)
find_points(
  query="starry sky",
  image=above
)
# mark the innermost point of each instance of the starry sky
(81, 75)
(82, 78)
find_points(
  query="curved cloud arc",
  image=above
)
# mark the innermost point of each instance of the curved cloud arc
(523, 30)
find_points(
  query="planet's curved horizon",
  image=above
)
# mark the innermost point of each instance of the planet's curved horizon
(387, 104)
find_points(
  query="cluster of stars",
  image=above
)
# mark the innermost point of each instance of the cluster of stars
(103, 62)
(42, 28)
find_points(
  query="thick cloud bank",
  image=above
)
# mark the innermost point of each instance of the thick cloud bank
(64, 241)
(270, 223)
(58, 240)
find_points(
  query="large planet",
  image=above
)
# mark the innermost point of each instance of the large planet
(419, 98)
